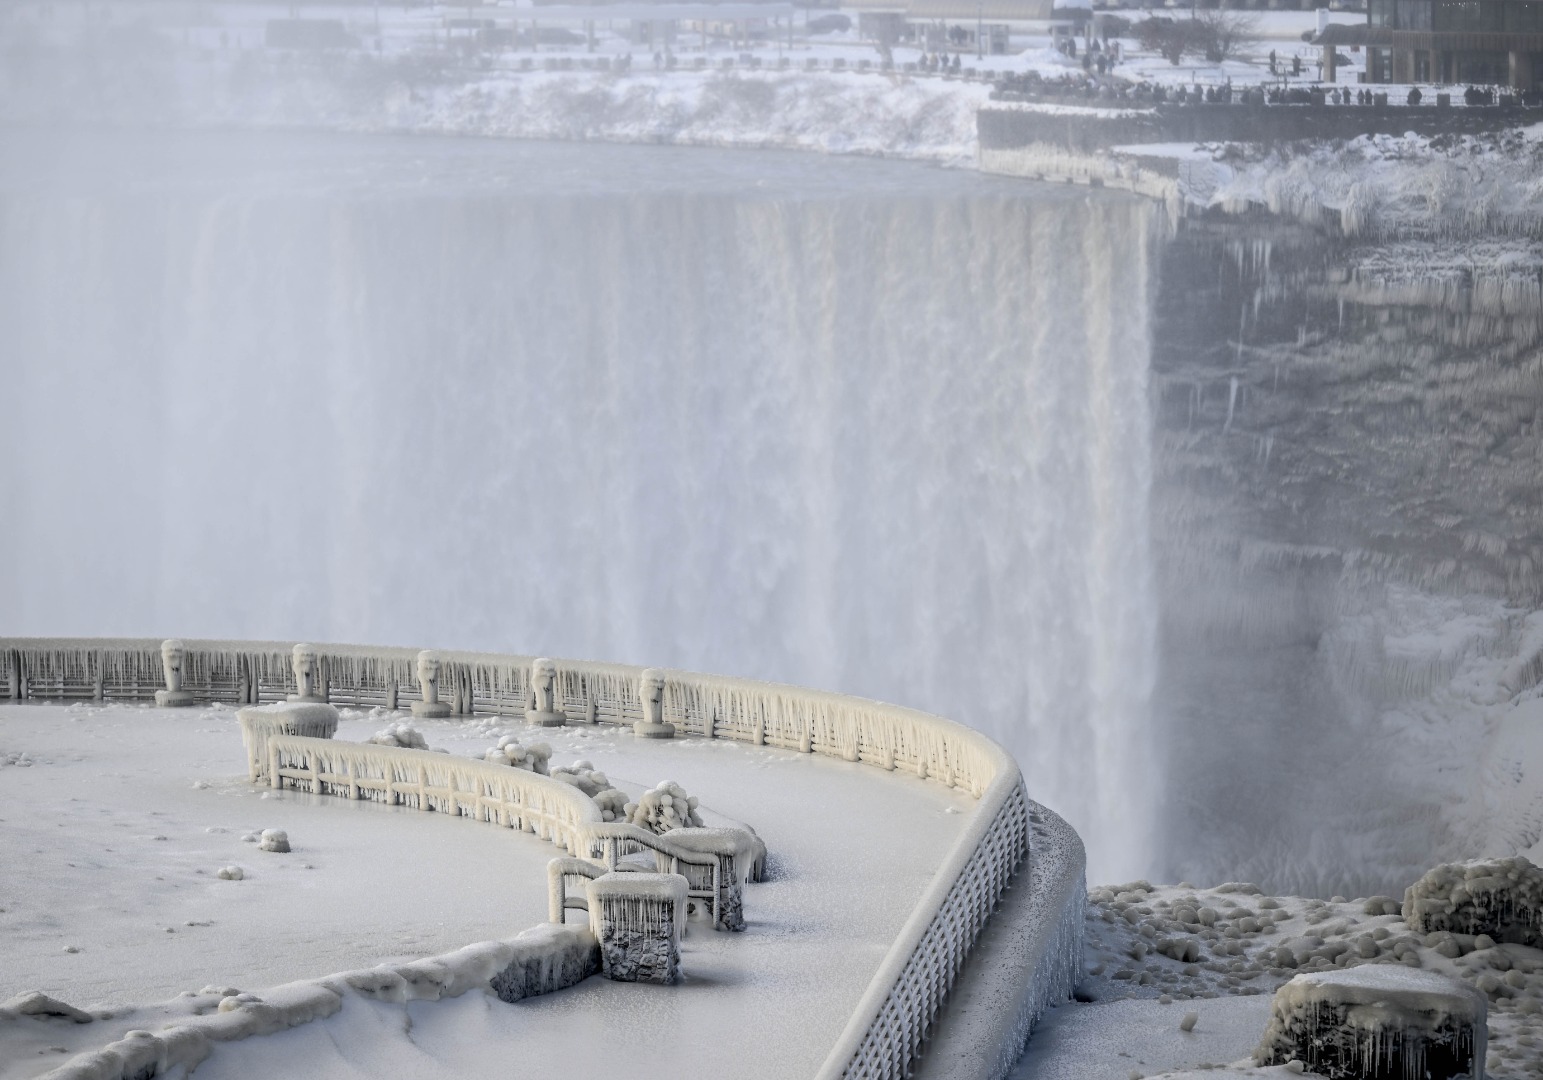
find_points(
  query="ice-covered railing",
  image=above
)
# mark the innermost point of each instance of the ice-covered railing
(428, 781)
(887, 1030)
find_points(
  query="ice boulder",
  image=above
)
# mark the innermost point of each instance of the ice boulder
(664, 808)
(275, 840)
(1500, 897)
(1377, 1022)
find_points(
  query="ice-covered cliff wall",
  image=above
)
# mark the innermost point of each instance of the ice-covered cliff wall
(840, 423)
(1348, 535)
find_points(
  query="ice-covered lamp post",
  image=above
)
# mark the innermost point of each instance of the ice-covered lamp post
(173, 657)
(428, 684)
(543, 687)
(306, 668)
(651, 691)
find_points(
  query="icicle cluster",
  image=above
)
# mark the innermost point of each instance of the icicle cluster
(584, 776)
(401, 734)
(531, 758)
(664, 808)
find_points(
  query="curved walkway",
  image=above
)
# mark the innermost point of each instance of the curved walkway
(422, 883)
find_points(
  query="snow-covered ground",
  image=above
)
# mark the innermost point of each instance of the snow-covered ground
(122, 817)
(413, 71)
(1157, 955)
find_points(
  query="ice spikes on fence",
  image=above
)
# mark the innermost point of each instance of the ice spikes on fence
(429, 781)
(259, 723)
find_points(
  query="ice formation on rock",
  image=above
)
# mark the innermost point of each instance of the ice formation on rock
(544, 710)
(532, 758)
(1502, 898)
(230, 873)
(428, 667)
(1377, 1023)
(173, 657)
(307, 674)
(638, 919)
(651, 693)
(275, 840)
(664, 808)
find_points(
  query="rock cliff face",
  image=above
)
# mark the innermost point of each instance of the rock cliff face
(1348, 534)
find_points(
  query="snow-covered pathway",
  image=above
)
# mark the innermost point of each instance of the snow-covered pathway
(851, 850)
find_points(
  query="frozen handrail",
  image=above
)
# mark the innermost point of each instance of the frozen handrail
(513, 798)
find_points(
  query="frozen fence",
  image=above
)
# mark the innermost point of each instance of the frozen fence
(888, 1029)
(423, 779)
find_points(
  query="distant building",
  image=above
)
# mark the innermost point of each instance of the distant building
(1481, 42)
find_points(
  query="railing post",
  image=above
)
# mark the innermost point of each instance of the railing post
(428, 682)
(173, 665)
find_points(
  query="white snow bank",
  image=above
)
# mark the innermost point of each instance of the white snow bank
(540, 960)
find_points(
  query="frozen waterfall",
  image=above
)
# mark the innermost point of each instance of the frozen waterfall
(854, 425)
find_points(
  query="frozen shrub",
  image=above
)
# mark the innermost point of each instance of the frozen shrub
(509, 751)
(664, 808)
(613, 804)
(585, 777)
(401, 734)
(582, 775)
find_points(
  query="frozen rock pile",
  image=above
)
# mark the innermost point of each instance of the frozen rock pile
(510, 751)
(1179, 943)
(664, 808)
(1377, 1021)
(1502, 899)
(18, 758)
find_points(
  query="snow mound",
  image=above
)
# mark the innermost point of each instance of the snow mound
(275, 840)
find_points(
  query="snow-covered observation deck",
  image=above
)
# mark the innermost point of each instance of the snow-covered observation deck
(904, 875)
